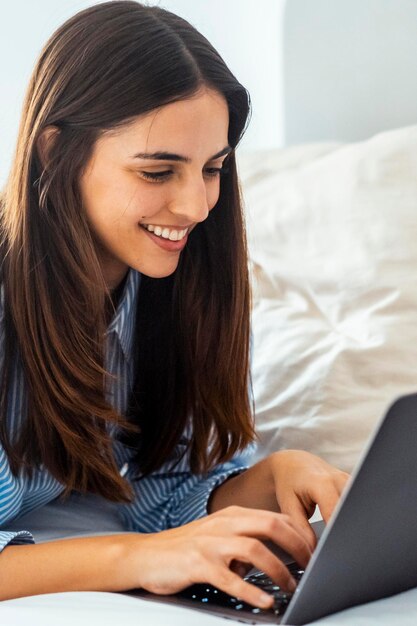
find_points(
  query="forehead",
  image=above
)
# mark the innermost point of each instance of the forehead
(194, 126)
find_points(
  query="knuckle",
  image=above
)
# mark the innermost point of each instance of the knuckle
(284, 517)
(329, 478)
(234, 509)
(272, 524)
(253, 548)
(300, 545)
(228, 511)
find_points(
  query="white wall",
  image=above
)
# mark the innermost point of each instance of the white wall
(350, 68)
(244, 32)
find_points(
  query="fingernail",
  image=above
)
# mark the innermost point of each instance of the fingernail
(292, 585)
(265, 599)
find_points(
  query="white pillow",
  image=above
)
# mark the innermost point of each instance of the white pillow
(332, 233)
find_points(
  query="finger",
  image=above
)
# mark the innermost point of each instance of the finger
(233, 585)
(298, 515)
(253, 551)
(292, 540)
(276, 527)
(327, 501)
(341, 480)
(284, 533)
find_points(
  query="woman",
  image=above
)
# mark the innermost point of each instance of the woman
(125, 310)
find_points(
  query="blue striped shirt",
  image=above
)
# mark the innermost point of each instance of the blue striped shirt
(165, 499)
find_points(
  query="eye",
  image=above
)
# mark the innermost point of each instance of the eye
(156, 176)
(216, 171)
(159, 177)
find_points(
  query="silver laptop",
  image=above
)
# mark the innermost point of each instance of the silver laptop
(366, 552)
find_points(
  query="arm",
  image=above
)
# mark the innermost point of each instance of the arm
(244, 490)
(67, 565)
(164, 562)
(94, 564)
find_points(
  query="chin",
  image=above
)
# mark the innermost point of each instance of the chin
(153, 271)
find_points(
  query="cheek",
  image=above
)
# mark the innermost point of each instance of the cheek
(109, 199)
(213, 194)
(147, 202)
(104, 195)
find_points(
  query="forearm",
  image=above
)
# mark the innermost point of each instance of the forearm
(85, 564)
(254, 488)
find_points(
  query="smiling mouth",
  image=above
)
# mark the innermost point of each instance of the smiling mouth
(164, 242)
(165, 232)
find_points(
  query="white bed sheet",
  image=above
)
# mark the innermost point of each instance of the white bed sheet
(108, 609)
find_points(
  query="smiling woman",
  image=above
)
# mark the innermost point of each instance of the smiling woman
(125, 321)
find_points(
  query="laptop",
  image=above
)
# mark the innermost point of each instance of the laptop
(367, 550)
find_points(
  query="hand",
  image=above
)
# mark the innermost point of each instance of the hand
(291, 482)
(208, 549)
(302, 481)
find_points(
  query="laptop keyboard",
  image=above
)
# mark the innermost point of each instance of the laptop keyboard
(206, 595)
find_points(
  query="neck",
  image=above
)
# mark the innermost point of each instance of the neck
(115, 295)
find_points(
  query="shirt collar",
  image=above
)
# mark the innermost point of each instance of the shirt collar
(123, 322)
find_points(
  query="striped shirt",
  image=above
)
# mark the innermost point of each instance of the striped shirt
(165, 499)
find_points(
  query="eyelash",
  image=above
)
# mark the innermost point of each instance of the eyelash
(157, 177)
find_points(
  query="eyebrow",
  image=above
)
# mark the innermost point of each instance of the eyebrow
(169, 156)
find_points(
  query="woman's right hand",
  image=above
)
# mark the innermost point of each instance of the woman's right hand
(209, 549)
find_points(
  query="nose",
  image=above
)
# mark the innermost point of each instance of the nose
(190, 201)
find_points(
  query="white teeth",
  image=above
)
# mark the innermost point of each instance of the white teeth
(166, 233)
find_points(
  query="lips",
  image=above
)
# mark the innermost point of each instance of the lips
(166, 244)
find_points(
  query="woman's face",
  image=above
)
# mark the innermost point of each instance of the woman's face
(149, 183)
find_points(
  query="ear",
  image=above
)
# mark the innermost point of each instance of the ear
(45, 142)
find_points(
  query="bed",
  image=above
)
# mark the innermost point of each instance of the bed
(332, 226)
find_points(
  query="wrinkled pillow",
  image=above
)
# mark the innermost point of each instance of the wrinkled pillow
(332, 232)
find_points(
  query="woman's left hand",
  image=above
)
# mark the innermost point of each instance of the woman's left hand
(291, 482)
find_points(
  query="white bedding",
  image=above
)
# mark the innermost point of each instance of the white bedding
(108, 609)
(332, 231)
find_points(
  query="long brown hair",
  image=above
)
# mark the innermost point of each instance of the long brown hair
(100, 69)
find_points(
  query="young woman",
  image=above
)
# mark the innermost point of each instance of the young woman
(124, 326)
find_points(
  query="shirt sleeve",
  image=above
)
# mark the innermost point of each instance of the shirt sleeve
(10, 494)
(190, 500)
(171, 498)
(17, 538)
(10, 503)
